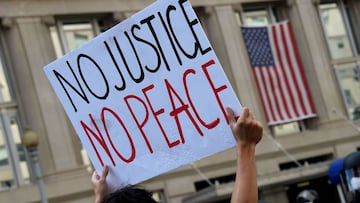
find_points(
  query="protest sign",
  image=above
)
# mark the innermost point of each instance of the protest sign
(148, 95)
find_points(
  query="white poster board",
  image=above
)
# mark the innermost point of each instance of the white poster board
(148, 95)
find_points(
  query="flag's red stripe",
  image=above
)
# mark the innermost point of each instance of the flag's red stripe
(273, 91)
(267, 96)
(285, 104)
(278, 56)
(302, 75)
(261, 95)
(291, 67)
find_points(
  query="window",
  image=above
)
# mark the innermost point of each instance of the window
(14, 170)
(4, 87)
(159, 196)
(348, 77)
(336, 28)
(257, 18)
(336, 19)
(200, 185)
(307, 161)
(263, 16)
(69, 34)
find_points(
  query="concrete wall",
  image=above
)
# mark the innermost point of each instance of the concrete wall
(29, 47)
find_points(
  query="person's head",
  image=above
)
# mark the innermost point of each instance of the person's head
(130, 194)
(307, 196)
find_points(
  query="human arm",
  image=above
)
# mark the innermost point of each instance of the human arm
(99, 184)
(247, 132)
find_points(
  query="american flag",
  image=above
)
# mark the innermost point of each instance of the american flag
(278, 73)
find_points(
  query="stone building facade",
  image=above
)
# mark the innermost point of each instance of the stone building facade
(36, 32)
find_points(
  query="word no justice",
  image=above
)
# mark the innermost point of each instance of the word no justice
(153, 24)
(185, 108)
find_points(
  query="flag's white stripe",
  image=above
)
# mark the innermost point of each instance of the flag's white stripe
(287, 101)
(282, 57)
(303, 91)
(292, 120)
(263, 94)
(267, 78)
(281, 75)
(278, 96)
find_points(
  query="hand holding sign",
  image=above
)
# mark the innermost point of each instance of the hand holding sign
(99, 183)
(148, 95)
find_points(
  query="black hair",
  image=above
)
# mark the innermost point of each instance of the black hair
(130, 194)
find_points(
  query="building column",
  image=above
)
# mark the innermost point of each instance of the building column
(316, 59)
(354, 14)
(225, 36)
(30, 48)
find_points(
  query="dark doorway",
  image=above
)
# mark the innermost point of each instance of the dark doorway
(223, 201)
(327, 192)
